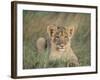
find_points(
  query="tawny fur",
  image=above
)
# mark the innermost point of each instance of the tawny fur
(40, 44)
(68, 54)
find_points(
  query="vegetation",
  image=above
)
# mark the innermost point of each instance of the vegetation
(34, 26)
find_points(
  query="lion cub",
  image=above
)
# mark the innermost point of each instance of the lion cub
(60, 40)
(40, 44)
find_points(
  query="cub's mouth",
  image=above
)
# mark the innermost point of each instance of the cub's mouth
(61, 49)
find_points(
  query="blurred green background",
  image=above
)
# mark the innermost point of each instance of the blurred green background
(34, 26)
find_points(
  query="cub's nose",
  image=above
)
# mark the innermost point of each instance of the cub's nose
(62, 45)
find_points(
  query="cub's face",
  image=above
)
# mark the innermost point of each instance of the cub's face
(60, 37)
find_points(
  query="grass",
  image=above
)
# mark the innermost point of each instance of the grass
(35, 25)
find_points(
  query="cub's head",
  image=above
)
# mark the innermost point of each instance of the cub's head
(60, 37)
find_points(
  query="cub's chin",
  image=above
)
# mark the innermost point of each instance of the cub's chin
(61, 49)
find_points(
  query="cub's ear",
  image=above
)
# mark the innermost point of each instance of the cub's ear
(71, 31)
(51, 30)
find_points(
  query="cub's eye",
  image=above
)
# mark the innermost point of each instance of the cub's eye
(57, 37)
(66, 37)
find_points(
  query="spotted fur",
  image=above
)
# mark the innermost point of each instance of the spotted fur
(60, 40)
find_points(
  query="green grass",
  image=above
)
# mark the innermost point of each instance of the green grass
(35, 25)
